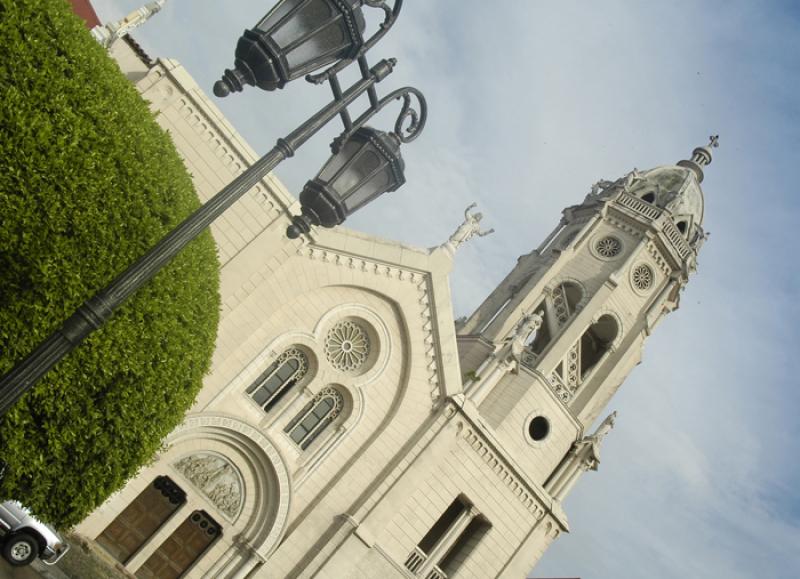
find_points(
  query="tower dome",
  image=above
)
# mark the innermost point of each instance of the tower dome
(672, 188)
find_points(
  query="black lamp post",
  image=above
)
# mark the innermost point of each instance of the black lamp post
(297, 37)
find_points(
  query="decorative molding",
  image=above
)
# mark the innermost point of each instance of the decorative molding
(608, 247)
(626, 226)
(216, 478)
(658, 258)
(347, 346)
(517, 486)
(192, 429)
(643, 278)
(421, 281)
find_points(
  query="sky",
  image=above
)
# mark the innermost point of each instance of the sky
(531, 102)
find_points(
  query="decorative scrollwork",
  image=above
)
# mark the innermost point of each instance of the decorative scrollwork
(389, 14)
(417, 119)
(413, 119)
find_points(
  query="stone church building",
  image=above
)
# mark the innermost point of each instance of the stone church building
(351, 427)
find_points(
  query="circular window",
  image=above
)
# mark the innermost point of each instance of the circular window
(642, 277)
(347, 346)
(608, 246)
(539, 428)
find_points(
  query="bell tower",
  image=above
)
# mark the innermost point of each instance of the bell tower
(568, 323)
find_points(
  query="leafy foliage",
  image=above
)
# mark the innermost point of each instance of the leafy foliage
(88, 182)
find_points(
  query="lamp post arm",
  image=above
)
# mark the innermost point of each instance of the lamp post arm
(98, 309)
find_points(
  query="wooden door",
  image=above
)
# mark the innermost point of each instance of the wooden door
(130, 530)
(181, 549)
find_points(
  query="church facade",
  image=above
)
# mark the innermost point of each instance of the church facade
(350, 426)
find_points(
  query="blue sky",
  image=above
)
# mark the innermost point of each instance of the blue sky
(530, 103)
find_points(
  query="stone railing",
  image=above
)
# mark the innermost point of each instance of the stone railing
(676, 239)
(638, 206)
(415, 560)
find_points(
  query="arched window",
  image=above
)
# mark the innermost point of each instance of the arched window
(682, 227)
(278, 379)
(315, 417)
(565, 300)
(596, 341)
(649, 197)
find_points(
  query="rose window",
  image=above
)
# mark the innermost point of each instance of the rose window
(642, 277)
(347, 346)
(608, 246)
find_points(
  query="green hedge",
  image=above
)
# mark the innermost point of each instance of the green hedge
(88, 182)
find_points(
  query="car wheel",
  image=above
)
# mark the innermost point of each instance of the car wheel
(20, 549)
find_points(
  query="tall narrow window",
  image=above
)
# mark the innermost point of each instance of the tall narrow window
(464, 545)
(448, 542)
(278, 379)
(315, 417)
(595, 342)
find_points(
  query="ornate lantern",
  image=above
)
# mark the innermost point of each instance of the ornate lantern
(366, 166)
(295, 38)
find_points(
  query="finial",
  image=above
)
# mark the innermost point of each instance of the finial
(701, 157)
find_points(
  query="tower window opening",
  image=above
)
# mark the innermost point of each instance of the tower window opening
(449, 541)
(539, 428)
(682, 227)
(596, 341)
(649, 197)
(542, 337)
(464, 545)
(442, 524)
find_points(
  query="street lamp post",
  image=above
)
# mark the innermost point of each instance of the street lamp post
(296, 38)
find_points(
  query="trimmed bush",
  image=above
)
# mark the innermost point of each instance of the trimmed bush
(89, 182)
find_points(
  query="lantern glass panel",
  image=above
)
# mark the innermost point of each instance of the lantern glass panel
(328, 41)
(311, 15)
(280, 11)
(377, 185)
(336, 162)
(355, 175)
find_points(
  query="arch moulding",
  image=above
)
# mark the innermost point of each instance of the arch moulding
(265, 459)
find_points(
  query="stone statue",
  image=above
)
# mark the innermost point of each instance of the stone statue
(604, 428)
(468, 229)
(700, 237)
(630, 179)
(522, 333)
(109, 33)
(600, 187)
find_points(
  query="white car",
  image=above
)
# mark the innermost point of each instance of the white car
(25, 537)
